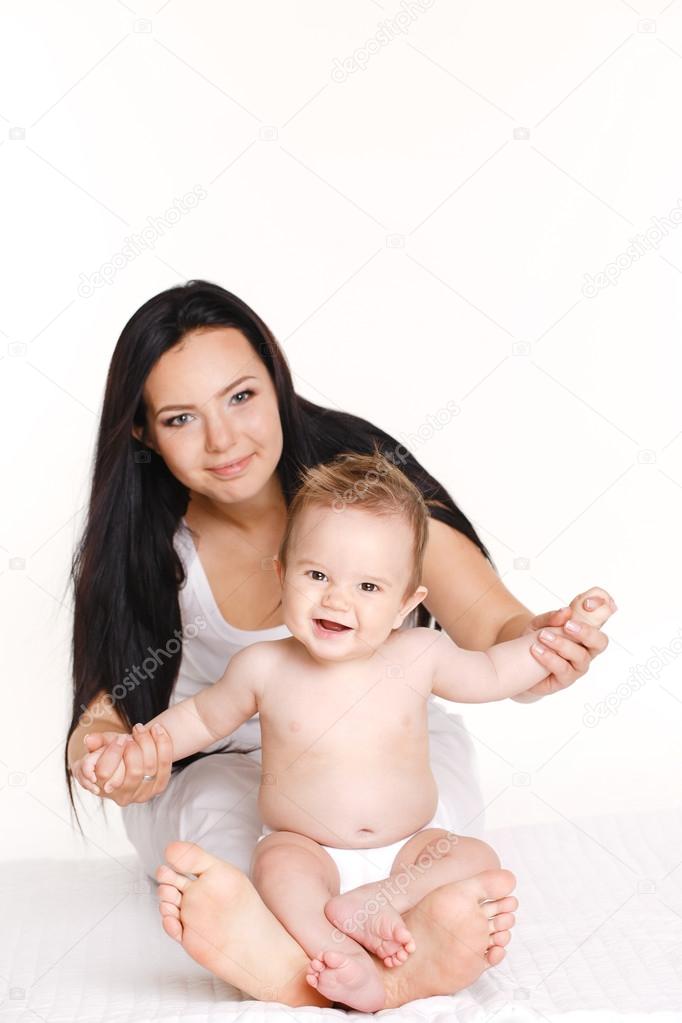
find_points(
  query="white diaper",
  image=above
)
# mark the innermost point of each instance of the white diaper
(363, 866)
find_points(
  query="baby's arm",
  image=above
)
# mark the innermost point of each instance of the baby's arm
(506, 669)
(213, 714)
(217, 710)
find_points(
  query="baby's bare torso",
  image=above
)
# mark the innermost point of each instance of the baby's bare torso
(345, 756)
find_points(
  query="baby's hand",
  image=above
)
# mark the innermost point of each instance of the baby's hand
(115, 779)
(128, 768)
(569, 640)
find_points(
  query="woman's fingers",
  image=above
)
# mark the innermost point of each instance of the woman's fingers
(566, 644)
(117, 763)
(589, 637)
(164, 757)
(568, 650)
(560, 671)
(550, 618)
(146, 743)
(98, 740)
(134, 763)
(110, 758)
(145, 753)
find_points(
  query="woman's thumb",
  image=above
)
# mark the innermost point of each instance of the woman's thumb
(551, 618)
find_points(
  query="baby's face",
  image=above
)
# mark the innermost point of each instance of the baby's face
(348, 567)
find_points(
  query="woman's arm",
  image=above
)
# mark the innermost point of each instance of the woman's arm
(477, 611)
(466, 595)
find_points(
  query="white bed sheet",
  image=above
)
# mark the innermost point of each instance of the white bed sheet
(598, 939)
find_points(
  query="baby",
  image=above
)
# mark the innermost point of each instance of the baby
(354, 831)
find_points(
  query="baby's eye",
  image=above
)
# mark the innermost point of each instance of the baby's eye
(314, 572)
(370, 584)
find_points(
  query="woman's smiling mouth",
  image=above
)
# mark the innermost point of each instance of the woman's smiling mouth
(231, 468)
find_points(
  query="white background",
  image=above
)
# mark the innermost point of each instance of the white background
(415, 234)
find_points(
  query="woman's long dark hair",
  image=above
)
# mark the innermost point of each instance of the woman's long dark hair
(125, 570)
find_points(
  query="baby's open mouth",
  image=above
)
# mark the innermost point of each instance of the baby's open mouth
(329, 626)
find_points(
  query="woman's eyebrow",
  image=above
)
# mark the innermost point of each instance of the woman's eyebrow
(219, 394)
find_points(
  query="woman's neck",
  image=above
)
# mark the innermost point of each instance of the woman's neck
(245, 517)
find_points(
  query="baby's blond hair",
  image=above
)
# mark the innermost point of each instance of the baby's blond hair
(369, 482)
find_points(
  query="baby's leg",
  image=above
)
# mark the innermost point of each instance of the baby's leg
(431, 858)
(295, 878)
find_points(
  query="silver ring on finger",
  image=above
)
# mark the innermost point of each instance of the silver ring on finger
(148, 777)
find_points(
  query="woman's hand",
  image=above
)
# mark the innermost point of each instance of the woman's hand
(126, 768)
(571, 653)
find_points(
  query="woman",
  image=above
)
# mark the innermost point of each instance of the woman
(174, 574)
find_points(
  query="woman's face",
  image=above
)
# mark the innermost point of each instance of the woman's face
(210, 401)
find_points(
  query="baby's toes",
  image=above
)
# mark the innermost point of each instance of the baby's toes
(397, 959)
(403, 935)
(398, 949)
(315, 968)
(394, 936)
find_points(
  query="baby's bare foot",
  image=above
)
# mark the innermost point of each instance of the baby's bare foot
(383, 932)
(347, 978)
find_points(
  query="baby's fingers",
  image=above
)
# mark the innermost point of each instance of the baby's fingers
(117, 778)
(89, 762)
(110, 759)
(83, 780)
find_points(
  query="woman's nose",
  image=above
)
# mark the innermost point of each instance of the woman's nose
(219, 436)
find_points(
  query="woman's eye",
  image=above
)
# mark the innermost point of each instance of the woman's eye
(370, 584)
(241, 392)
(185, 415)
(174, 420)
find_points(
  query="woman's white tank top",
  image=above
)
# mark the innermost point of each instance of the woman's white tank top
(209, 641)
